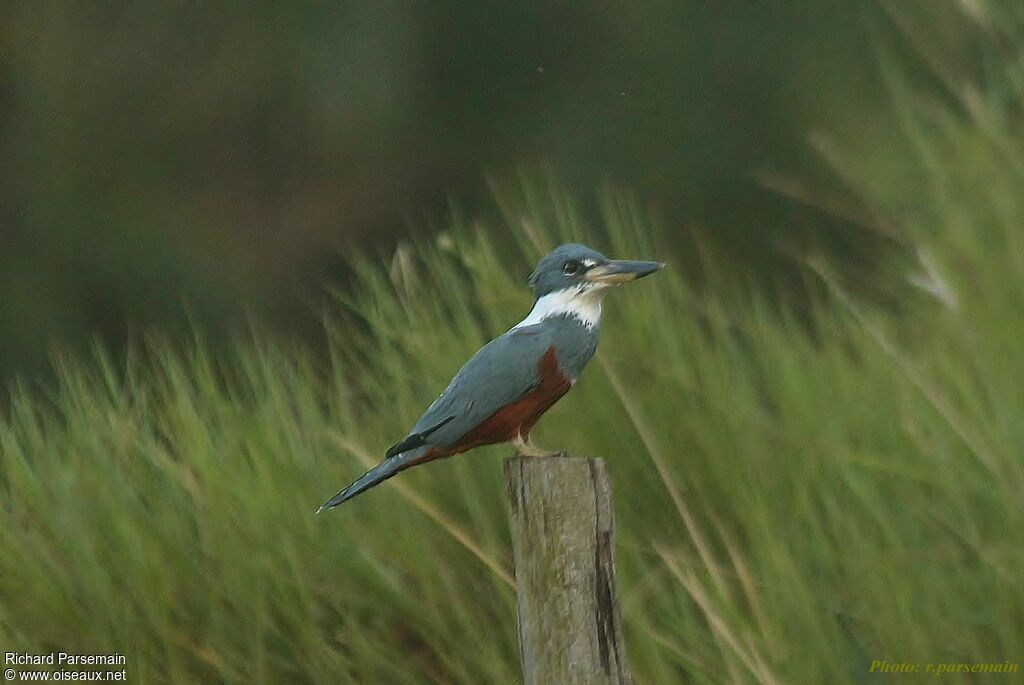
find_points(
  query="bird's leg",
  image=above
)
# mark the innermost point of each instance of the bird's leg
(527, 449)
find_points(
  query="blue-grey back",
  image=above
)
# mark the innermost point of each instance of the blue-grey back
(503, 371)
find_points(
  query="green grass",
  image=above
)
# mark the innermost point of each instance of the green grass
(798, 490)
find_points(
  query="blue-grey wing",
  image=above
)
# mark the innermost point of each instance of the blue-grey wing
(501, 372)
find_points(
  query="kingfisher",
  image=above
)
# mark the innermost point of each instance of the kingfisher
(511, 381)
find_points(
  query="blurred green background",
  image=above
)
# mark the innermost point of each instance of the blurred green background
(216, 159)
(288, 227)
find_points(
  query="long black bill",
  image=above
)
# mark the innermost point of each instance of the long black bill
(621, 271)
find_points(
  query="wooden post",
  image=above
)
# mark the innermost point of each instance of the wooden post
(570, 626)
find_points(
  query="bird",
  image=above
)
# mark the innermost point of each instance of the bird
(501, 392)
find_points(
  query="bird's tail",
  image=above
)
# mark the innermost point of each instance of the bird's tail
(409, 452)
(378, 474)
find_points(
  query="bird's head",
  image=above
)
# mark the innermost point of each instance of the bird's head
(580, 269)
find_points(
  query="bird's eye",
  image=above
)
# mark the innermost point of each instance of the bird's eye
(571, 267)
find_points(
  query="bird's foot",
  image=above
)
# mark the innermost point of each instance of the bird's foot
(526, 448)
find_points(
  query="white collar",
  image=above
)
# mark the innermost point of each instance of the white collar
(583, 303)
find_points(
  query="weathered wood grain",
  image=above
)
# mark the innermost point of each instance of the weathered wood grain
(570, 626)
